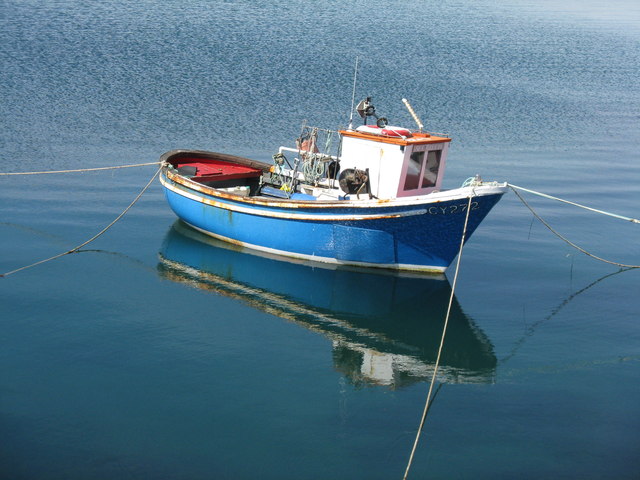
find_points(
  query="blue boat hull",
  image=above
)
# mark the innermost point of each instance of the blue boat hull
(422, 235)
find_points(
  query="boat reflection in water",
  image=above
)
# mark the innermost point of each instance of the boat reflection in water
(385, 328)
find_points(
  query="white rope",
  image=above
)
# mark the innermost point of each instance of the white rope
(566, 240)
(444, 332)
(75, 249)
(628, 219)
(80, 169)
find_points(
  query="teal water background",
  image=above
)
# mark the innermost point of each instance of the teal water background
(155, 355)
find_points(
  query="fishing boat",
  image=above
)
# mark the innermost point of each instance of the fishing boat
(369, 196)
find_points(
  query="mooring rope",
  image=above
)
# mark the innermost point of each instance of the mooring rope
(444, 332)
(75, 249)
(114, 167)
(566, 240)
(628, 219)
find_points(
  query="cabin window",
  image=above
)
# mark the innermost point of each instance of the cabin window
(412, 179)
(422, 170)
(431, 167)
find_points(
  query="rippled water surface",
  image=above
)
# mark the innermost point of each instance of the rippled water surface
(157, 353)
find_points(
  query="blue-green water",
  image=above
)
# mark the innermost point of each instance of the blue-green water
(154, 355)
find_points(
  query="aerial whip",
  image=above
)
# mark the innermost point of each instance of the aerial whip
(413, 114)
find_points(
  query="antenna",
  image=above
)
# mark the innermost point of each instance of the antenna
(413, 114)
(353, 95)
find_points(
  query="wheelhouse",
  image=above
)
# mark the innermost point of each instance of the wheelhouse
(400, 163)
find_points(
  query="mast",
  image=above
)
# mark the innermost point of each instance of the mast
(353, 95)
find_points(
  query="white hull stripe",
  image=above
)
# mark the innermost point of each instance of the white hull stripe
(184, 192)
(286, 215)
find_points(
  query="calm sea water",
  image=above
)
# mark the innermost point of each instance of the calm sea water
(158, 354)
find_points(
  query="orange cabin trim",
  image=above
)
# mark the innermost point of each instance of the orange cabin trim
(414, 139)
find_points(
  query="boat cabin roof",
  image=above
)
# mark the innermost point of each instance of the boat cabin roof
(415, 138)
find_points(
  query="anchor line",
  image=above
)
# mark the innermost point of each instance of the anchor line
(540, 194)
(76, 170)
(77, 248)
(429, 400)
(566, 240)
